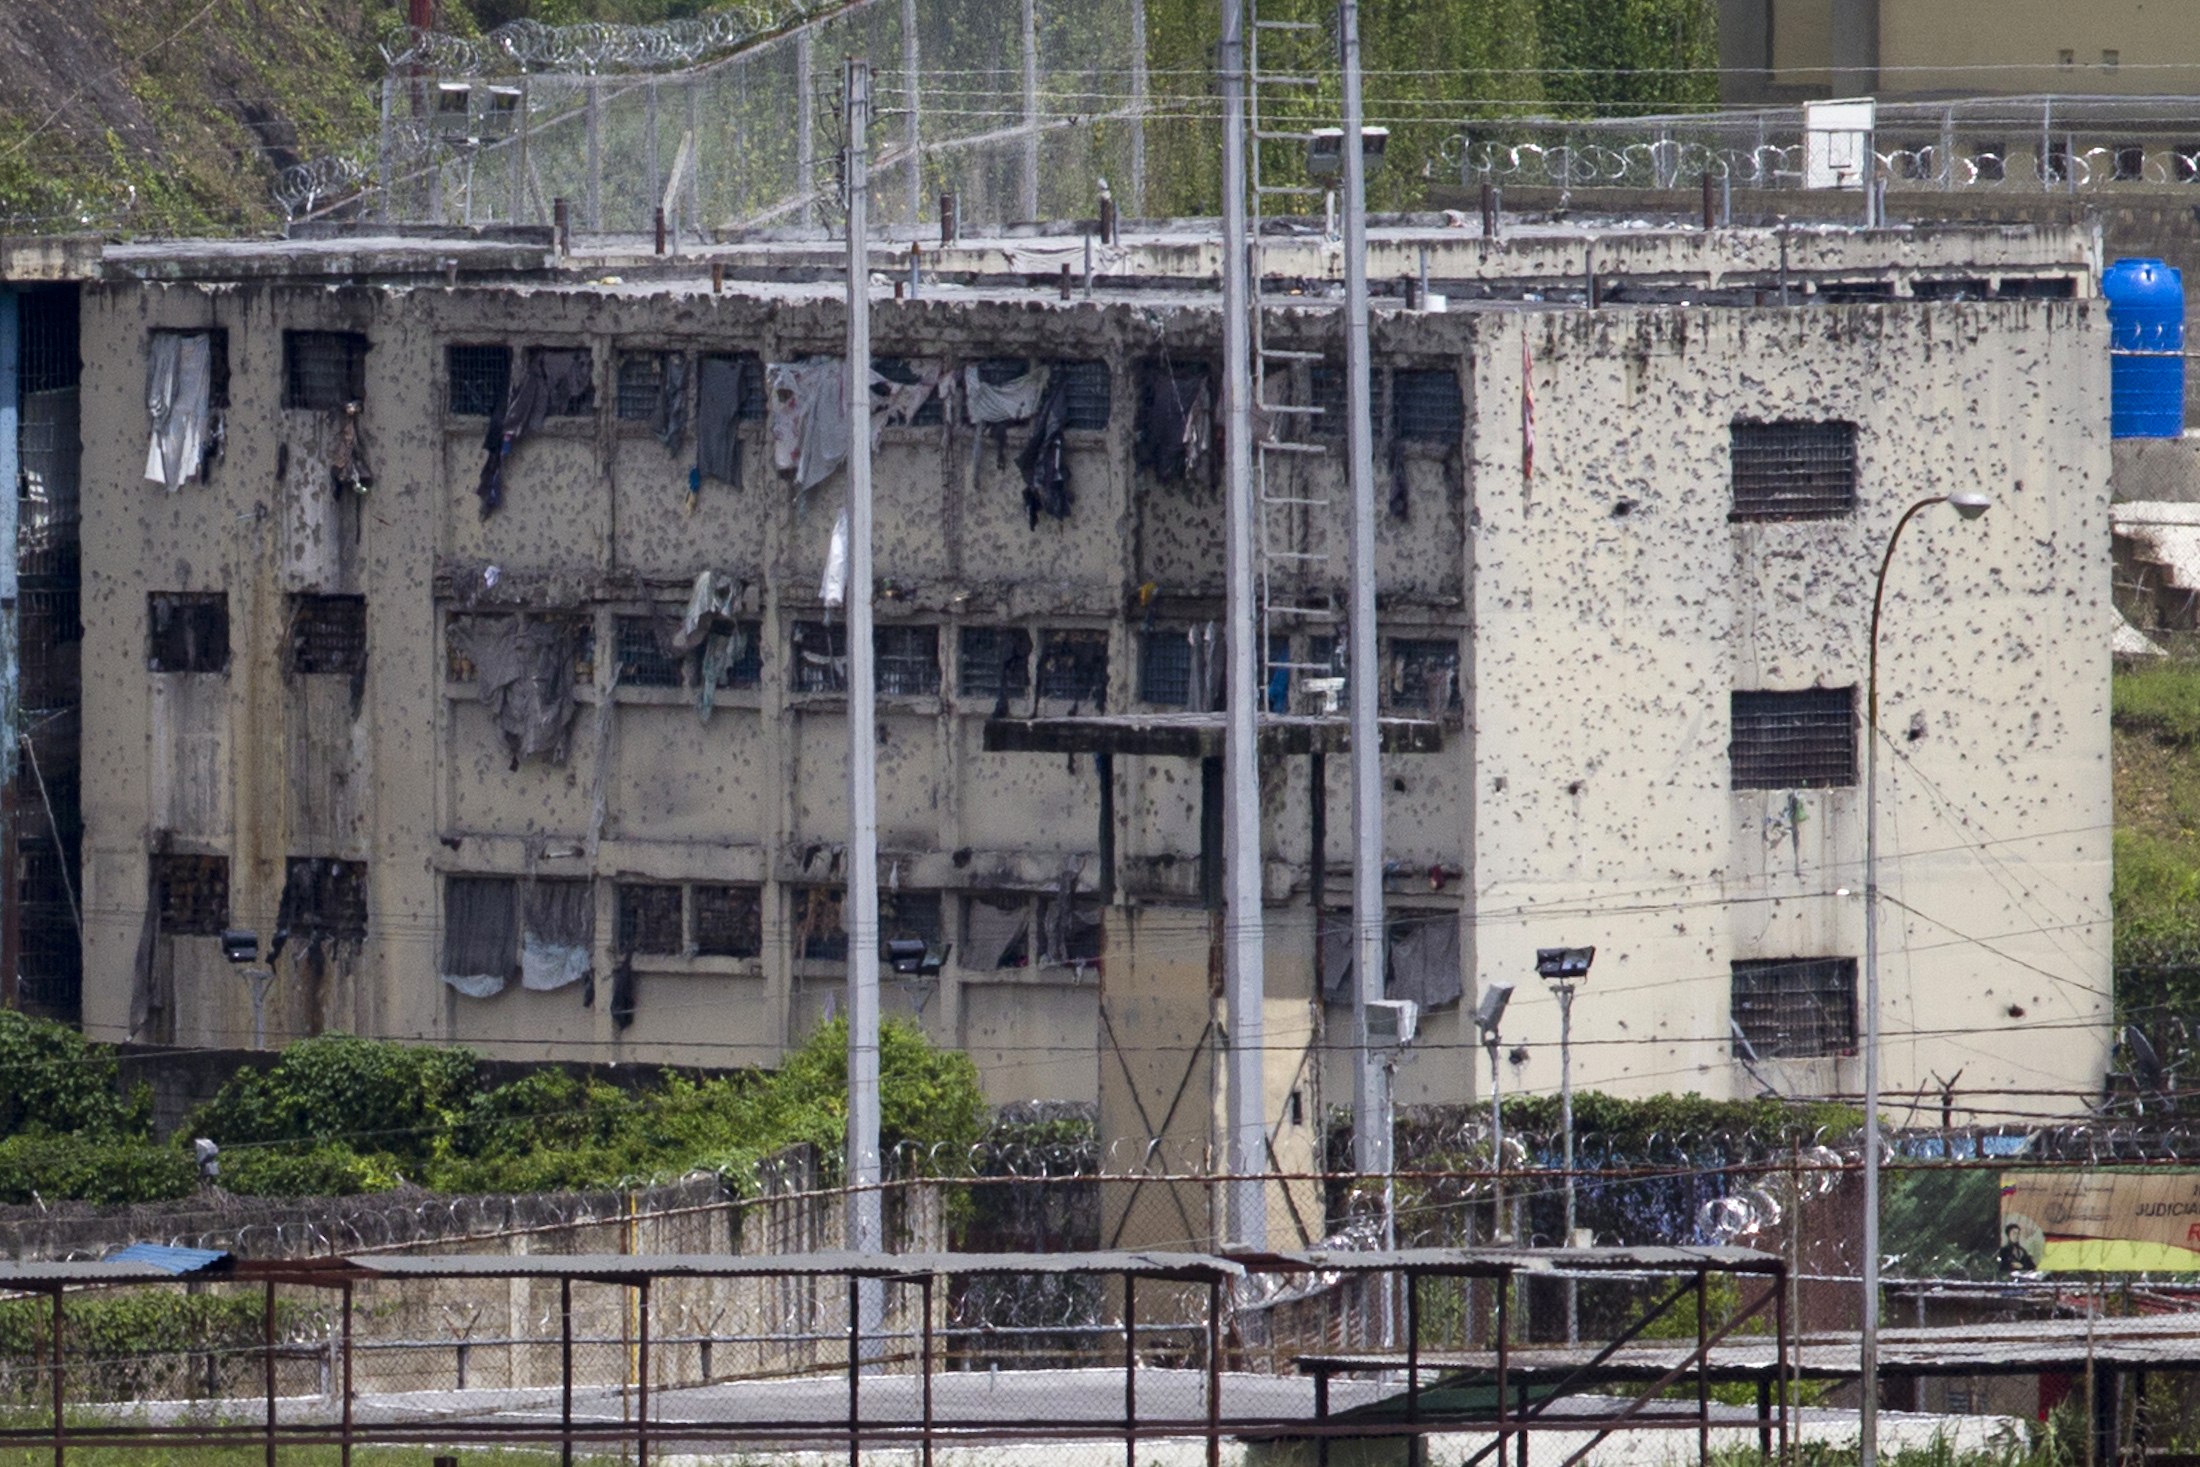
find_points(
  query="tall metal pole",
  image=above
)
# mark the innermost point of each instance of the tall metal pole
(1030, 198)
(1245, 1220)
(1565, 993)
(1371, 1131)
(912, 127)
(1867, 1445)
(11, 662)
(1497, 1145)
(866, 1231)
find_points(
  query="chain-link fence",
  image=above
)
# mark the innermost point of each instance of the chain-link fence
(1019, 108)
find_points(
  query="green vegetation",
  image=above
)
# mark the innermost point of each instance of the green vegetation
(338, 1115)
(2157, 892)
(160, 118)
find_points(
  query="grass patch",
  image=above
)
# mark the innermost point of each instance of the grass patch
(2161, 697)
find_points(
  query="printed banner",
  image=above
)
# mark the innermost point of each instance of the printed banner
(2141, 1220)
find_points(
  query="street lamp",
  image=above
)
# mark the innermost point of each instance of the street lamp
(1488, 1014)
(1970, 506)
(1563, 968)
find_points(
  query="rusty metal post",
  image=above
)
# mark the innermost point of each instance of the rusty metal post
(343, 1449)
(1703, 1368)
(1214, 1373)
(60, 1426)
(660, 230)
(267, 1359)
(1413, 1371)
(1321, 1418)
(565, 1370)
(641, 1414)
(1130, 1371)
(855, 1374)
(924, 1289)
(1710, 203)
(1489, 211)
(1780, 1350)
(1504, 1296)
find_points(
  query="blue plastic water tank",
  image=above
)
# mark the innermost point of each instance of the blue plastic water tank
(2146, 342)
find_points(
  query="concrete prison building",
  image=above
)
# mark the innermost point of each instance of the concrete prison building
(465, 633)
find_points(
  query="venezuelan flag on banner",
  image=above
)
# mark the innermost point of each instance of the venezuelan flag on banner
(2113, 1220)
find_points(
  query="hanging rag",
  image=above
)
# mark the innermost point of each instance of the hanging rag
(557, 934)
(833, 590)
(1400, 500)
(1424, 960)
(1175, 423)
(719, 653)
(525, 671)
(622, 992)
(347, 464)
(177, 399)
(895, 403)
(719, 385)
(480, 934)
(554, 381)
(1044, 465)
(670, 419)
(808, 418)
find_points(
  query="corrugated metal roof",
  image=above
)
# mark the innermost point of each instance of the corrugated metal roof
(20, 1276)
(1496, 1262)
(167, 1259)
(1193, 1267)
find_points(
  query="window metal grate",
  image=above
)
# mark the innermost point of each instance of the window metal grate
(1424, 675)
(323, 369)
(1425, 405)
(908, 660)
(1165, 668)
(995, 662)
(641, 379)
(1793, 470)
(481, 379)
(1091, 390)
(820, 662)
(1000, 371)
(328, 634)
(650, 919)
(907, 914)
(1796, 1008)
(1325, 390)
(729, 921)
(819, 937)
(323, 897)
(191, 894)
(1805, 739)
(570, 374)
(190, 631)
(752, 405)
(745, 669)
(1074, 666)
(642, 663)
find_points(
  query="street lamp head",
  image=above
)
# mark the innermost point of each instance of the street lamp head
(1490, 1011)
(1970, 506)
(1564, 964)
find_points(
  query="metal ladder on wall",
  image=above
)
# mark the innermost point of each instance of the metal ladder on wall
(1296, 591)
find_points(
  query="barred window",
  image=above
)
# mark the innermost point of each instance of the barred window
(1326, 390)
(1425, 405)
(190, 631)
(650, 919)
(1793, 470)
(745, 669)
(900, 372)
(908, 660)
(1165, 668)
(641, 378)
(820, 663)
(2131, 162)
(1796, 1008)
(1000, 371)
(1091, 391)
(328, 634)
(1990, 161)
(480, 379)
(323, 369)
(1074, 666)
(1805, 739)
(642, 663)
(818, 935)
(995, 662)
(751, 407)
(191, 894)
(570, 374)
(324, 897)
(910, 914)
(461, 630)
(1423, 675)
(217, 383)
(729, 921)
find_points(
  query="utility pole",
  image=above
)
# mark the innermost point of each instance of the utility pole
(866, 1231)
(1371, 1113)
(1245, 1220)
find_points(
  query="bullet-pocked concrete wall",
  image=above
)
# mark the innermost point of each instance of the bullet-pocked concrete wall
(1617, 608)
(1581, 794)
(595, 522)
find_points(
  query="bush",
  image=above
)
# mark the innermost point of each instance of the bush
(92, 1168)
(52, 1081)
(2160, 697)
(393, 1099)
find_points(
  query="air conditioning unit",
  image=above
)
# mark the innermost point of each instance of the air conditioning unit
(1393, 1021)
